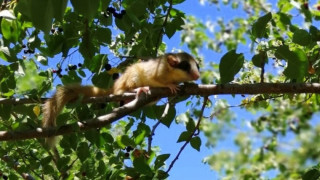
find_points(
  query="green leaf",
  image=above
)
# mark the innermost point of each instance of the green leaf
(162, 174)
(88, 167)
(71, 78)
(102, 80)
(150, 111)
(141, 132)
(10, 29)
(46, 160)
(314, 33)
(41, 13)
(136, 8)
(103, 35)
(173, 26)
(260, 26)
(96, 63)
(312, 174)
(125, 24)
(93, 136)
(54, 43)
(184, 136)
(88, 8)
(59, 7)
(5, 111)
(13, 176)
(297, 63)
(196, 143)
(169, 117)
(63, 162)
(124, 141)
(159, 162)
(230, 65)
(140, 164)
(129, 125)
(48, 169)
(106, 21)
(83, 151)
(87, 47)
(177, 1)
(107, 137)
(260, 59)
(31, 80)
(102, 167)
(191, 125)
(301, 37)
(68, 142)
(285, 19)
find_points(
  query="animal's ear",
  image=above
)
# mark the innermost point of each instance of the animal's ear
(172, 60)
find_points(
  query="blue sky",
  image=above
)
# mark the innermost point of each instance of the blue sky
(190, 166)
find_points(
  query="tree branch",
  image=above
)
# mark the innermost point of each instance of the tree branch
(164, 24)
(198, 89)
(154, 94)
(194, 133)
(100, 121)
(154, 127)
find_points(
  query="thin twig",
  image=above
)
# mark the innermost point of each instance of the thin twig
(163, 26)
(164, 114)
(262, 62)
(194, 133)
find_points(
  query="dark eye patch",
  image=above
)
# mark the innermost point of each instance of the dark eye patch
(184, 65)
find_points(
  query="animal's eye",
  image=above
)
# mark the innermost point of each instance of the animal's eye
(184, 65)
(198, 66)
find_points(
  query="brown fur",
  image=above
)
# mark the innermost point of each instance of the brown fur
(159, 72)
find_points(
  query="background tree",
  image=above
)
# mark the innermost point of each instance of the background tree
(272, 53)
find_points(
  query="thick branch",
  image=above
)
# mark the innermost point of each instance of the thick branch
(156, 93)
(111, 98)
(202, 90)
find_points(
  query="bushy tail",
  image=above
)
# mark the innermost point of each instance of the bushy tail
(65, 94)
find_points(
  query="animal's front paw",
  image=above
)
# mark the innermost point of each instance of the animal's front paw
(174, 88)
(139, 90)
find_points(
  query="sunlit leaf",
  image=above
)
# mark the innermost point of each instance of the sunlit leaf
(260, 26)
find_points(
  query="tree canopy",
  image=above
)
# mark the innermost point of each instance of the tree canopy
(269, 65)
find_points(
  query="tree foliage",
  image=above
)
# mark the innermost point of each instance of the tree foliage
(47, 43)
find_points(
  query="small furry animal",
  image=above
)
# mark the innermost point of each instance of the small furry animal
(164, 71)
